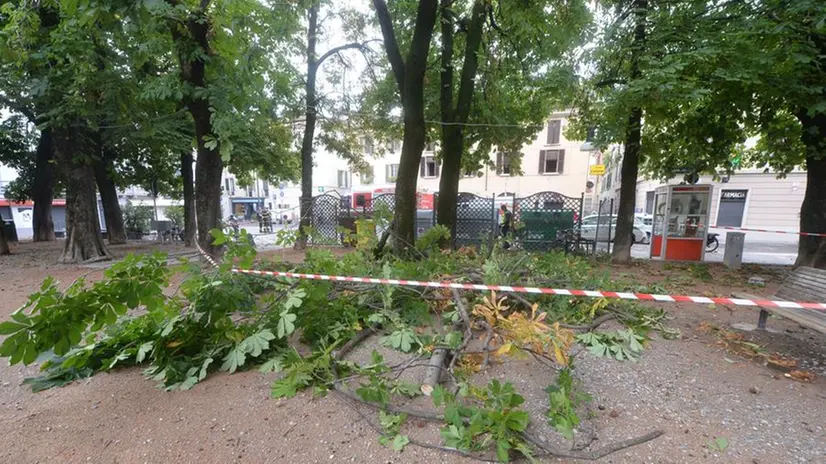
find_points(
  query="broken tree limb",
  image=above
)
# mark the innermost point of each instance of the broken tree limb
(434, 369)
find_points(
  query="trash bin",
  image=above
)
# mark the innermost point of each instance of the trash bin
(10, 231)
(365, 231)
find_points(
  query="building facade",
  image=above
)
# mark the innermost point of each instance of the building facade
(549, 162)
(748, 198)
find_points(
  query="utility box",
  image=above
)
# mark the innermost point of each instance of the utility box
(733, 254)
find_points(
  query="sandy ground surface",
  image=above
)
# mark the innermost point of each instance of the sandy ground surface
(693, 388)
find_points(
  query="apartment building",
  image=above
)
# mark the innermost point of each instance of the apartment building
(549, 162)
(748, 198)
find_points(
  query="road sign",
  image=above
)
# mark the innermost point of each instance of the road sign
(281, 194)
(597, 169)
(321, 190)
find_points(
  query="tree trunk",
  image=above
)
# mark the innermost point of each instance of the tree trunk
(309, 129)
(453, 136)
(208, 165)
(409, 76)
(624, 237)
(189, 198)
(4, 242)
(83, 239)
(811, 251)
(112, 214)
(43, 194)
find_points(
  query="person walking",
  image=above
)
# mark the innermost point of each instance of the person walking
(505, 222)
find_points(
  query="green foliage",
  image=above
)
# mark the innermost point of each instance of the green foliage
(564, 399)
(700, 271)
(137, 218)
(176, 215)
(621, 345)
(54, 320)
(302, 372)
(430, 239)
(718, 444)
(391, 424)
(497, 422)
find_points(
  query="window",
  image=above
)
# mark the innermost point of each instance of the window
(429, 167)
(368, 176)
(368, 145)
(392, 172)
(551, 161)
(554, 126)
(343, 179)
(503, 164)
(430, 147)
(266, 189)
(395, 146)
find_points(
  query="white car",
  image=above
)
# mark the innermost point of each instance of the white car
(605, 226)
(644, 222)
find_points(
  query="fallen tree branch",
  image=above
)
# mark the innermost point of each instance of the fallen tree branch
(593, 325)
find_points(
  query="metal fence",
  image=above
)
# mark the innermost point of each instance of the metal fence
(538, 219)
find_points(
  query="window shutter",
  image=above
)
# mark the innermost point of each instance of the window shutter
(499, 163)
(437, 167)
(387, 172)
(542, 161)
(561, 163)
(422, 168)
(553, 132)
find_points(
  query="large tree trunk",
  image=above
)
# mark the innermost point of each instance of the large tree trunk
(43, 194)
(208, 165)
(309, 129)
(83, 239)
(409, 76)
(189, 198)
(453, 136)
(4, 242)
(112, 213)
(624, 237)
(811, 251)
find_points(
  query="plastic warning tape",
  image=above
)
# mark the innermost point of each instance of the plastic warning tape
(810, 234)
(544, 291)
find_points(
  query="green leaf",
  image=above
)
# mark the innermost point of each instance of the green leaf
(283, 389)
(143, 350)
(502, 448)
(295, 299)
(234, 359)
(400, 442)
(518, 420)
(272, 365)
(257, 343)
(10, 327)
(438, 395)
(286, 324)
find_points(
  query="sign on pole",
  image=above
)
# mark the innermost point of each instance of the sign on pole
(597, 169)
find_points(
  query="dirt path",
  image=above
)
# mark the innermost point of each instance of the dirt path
(692, 388)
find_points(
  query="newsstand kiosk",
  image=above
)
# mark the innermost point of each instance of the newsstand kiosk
(680, 222)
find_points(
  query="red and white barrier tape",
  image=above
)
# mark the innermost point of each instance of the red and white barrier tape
(544, 291)
(810, 234)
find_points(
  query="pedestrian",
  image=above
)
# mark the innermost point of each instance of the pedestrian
(505, 221)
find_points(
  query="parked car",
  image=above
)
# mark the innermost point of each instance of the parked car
(644, 222)
(607, 228)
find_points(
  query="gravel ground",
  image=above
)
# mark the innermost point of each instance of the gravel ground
(691, 388)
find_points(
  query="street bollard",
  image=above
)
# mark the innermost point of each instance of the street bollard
(733, 255)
